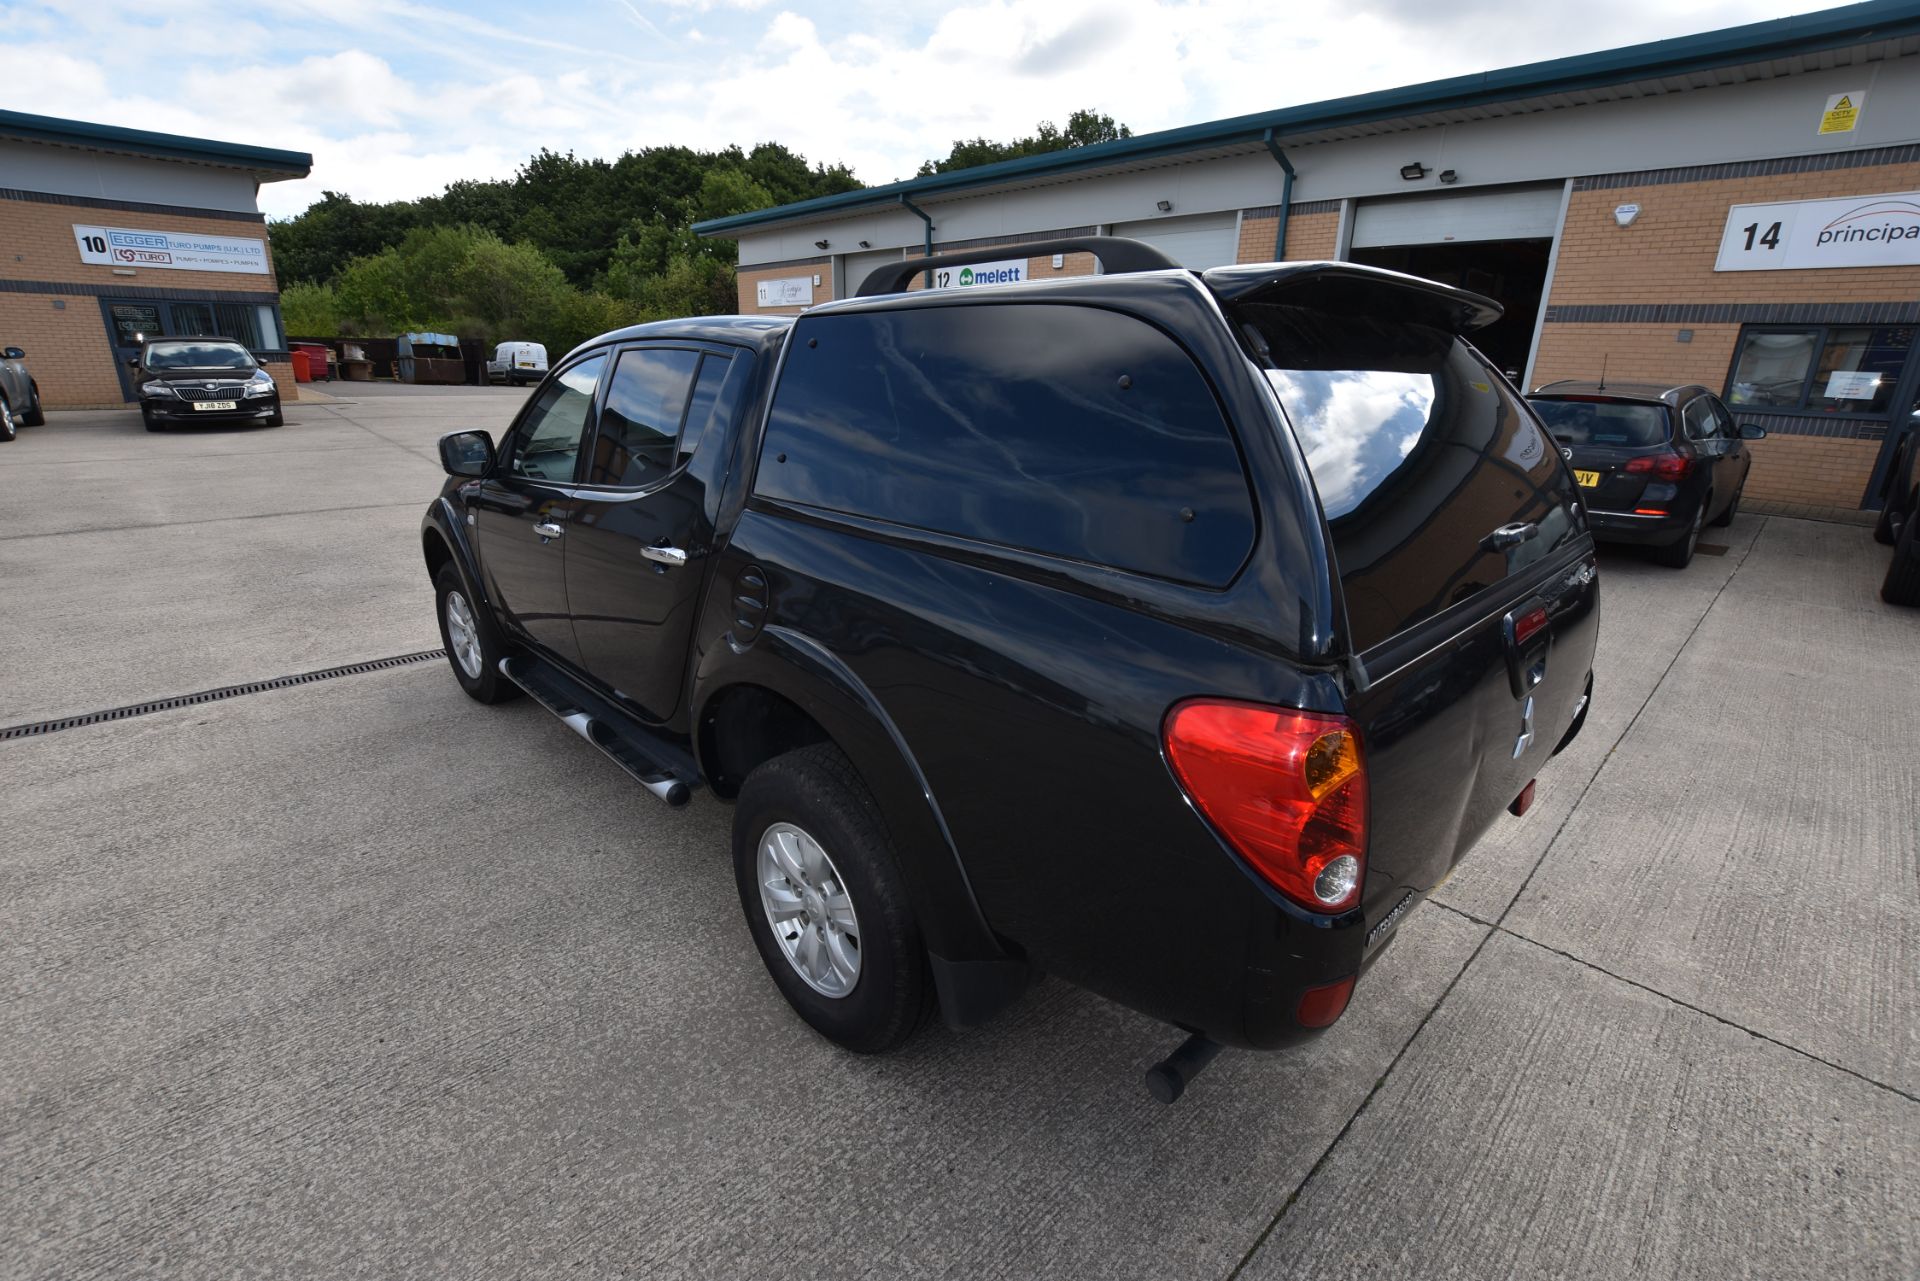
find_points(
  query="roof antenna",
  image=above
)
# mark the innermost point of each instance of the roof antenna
(1603, 371)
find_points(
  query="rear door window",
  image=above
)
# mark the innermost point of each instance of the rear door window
(1628, 424)
(1065, 430)
(1419, 451)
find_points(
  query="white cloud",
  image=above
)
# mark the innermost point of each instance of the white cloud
(393, 97)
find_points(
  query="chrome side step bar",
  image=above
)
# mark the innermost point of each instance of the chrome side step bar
(602, 732)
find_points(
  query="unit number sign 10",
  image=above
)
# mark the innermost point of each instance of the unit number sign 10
(1771, 239)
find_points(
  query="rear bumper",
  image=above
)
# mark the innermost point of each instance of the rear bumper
(1631, 527)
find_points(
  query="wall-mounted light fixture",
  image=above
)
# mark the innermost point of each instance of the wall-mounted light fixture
(1164, 206)
(124, 271)
(1449, 176)
(1413, 172)
(1625, 214)
(866, 244)
(819, 244)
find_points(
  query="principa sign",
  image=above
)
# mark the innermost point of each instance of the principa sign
(1859, 231)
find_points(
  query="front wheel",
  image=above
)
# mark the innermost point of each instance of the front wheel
(823, 898)
(472, 650)
(9, 428)
(35, 415)
(278, 419)
(146, 416)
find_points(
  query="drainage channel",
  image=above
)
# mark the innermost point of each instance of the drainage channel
(216, 695)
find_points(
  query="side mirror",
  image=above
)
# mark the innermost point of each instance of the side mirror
(1750, 432)
(466, 453)
(133, 362)
(13, 353)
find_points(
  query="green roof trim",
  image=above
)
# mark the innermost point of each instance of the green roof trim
(1779, 37)
(161, 146)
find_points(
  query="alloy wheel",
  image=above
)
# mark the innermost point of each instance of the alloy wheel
(808, 909)
(463, 635)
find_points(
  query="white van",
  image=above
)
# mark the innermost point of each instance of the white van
(518, 362)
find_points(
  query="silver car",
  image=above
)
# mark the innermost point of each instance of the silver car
(19, 395)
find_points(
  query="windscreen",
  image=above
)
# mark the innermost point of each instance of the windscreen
(198, 355)
(1601, 422)
(1419, 452)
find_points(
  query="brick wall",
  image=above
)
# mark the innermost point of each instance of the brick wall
(1310, 237)
(39, 246)
(1666, 257)
(67, 350)
(64, 335)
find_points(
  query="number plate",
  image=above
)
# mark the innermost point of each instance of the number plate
(1587, 479)
(226, 404)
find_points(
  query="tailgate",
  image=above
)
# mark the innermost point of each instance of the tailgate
(1465, 567)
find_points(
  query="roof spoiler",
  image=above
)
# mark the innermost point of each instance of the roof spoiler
(1116, 254)
(1347, 288)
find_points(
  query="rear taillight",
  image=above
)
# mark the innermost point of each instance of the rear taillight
(1659, 466)
(1286, 789)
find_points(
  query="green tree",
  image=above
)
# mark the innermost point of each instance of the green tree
(1083, 129)
(310, 310)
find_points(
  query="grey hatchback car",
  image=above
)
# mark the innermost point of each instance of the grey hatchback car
(19, 395)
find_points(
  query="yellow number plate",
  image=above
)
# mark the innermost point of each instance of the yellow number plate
(1587, 479)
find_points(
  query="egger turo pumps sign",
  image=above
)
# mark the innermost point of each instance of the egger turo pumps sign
(1859, 231)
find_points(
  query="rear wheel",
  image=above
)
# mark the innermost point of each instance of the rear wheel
(472, 650)
(1680, 554)
(822, 894)
(1902, 584)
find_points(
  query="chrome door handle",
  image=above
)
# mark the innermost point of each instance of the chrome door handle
(665, 555)
(547, 529)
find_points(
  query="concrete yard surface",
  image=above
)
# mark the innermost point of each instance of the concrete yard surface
(361, 978)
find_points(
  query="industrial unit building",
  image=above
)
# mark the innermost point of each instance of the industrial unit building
(1739, 209)
(110, 234)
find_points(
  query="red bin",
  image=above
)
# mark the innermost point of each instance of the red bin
(301, 373)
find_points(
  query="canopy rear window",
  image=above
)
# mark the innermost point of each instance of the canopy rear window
(1419, 451)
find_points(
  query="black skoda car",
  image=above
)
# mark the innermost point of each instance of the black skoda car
(203, 380)
(1655, 463)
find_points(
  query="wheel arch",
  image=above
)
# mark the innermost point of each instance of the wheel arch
(788, 691)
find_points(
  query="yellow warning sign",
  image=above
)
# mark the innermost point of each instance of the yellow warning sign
(1843, 111)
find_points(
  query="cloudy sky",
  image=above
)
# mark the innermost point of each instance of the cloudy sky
(396, 98)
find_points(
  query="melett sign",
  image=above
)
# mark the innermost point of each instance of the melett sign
(1008, 271)
(1861, 231)
(170, 250)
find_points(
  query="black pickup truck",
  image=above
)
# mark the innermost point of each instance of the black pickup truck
(1170, 632)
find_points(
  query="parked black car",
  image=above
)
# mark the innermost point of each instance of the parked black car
(1028, 635)
(202, 380)
(1655, 463)
(1897, 526)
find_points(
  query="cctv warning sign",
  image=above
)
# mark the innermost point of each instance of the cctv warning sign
(1843, 111)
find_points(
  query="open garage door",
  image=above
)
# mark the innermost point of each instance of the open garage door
(1199, 242)
(1495, 243)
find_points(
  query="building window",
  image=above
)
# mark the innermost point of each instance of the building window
(1828, 369)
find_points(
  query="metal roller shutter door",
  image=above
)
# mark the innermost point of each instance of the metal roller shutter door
(1199, 242)
(1514, 213)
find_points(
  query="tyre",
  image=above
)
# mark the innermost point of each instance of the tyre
(1726, 517)
(1680, 554)
(473, 651)
(822, 894)
(279, 419)
(35, 415)
(1902, 583)
(146, 416)
(8, 426)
